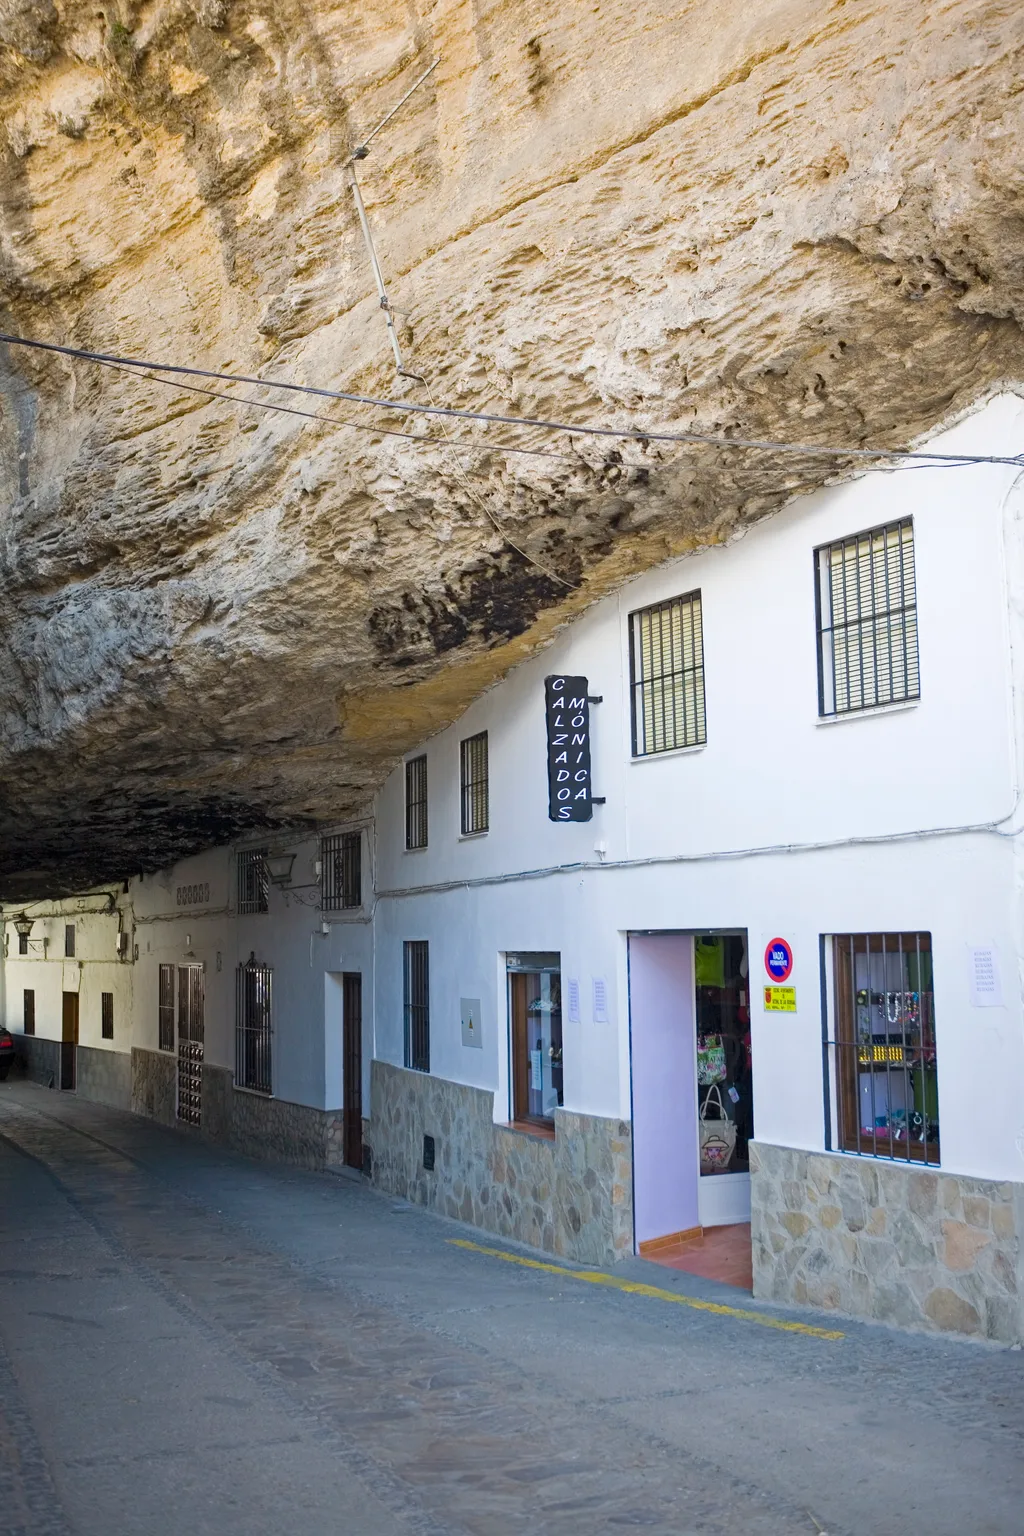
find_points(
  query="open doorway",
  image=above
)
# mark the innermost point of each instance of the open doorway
(692, 1090)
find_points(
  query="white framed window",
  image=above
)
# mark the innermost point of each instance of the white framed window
(474, 784)
(866, 603)
(666, 666)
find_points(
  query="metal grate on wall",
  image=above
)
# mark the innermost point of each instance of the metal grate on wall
(253, 880)
(417, 1005)
(475, 790)
(106, 1015)
(883, 1046)
(165, 1008)
(341, 871)
(866, 603)
(666, 662)
(416, 802)
(253, 1026)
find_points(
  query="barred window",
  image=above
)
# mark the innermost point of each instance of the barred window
(883, 1046)
(22, 943)
(417, 1005)
(253, 1026)
(253, 881)
(416, 802)
(69, 941)
(106, 1015)
(666, 665)
(165, 1008)
(475, 789)
(341, 871)
(867, 620)
(29, 1014)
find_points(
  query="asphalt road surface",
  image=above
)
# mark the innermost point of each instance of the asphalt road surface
(192, 1343)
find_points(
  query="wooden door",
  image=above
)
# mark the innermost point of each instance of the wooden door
(69, 1040)
(352, 1004)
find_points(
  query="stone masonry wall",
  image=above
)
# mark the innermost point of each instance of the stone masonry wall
(105, 1077)
(247, 1122)
(900, 1244)
(571, 1196)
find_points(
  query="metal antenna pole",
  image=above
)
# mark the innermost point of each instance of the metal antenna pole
(360, 153)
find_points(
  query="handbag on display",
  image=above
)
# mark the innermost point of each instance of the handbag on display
(710, 1060)
(718, 1136)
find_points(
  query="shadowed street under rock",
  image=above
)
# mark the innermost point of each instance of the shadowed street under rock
(194, 1343)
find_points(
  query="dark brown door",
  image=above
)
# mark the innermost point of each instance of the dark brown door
(352, 1002)
(69, 1040)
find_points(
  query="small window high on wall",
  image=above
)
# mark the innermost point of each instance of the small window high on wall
(253, 881)
(106, 1015)
(866, 601)
(474, 784)
(666, 663)
(29, 1014)
(341, 865)
(416, 802)
(882, 1046)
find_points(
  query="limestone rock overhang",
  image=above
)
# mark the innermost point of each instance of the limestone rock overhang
(788, 222)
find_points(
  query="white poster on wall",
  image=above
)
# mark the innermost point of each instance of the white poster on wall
(986, 983)
(573, 994)
(600, 1000)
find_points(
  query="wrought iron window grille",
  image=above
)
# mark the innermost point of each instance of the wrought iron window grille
(106, 1015)
(881, 1049)
(474, 782)
(253, 1026)
(341, 871)
(417, 1004)
(666, 668)
(253, 881)
(165, 1008)
(416, 802)
(866, 608)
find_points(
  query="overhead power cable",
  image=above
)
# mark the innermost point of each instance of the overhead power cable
(490, 418)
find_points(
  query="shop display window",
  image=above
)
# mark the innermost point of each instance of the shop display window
(725, 1099)
(884, 1046)
(535, 1014)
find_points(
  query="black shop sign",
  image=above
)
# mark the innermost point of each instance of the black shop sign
(570, 791)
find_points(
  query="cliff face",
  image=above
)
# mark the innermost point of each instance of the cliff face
(796, 220)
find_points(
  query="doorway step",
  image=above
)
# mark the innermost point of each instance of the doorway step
(714, 1253)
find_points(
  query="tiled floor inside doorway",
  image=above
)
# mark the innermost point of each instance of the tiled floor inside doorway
(719, 1253)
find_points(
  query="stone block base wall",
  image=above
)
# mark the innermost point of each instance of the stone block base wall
(246, 1122)
(897, 1243)
(571, 1196)
(38, 1059)
(105, 1077)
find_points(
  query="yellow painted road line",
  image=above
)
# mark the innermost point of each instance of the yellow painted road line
(636, 1288)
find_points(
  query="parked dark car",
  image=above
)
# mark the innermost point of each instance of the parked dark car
(6, 1052)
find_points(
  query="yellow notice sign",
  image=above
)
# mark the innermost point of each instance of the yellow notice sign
(780, 999)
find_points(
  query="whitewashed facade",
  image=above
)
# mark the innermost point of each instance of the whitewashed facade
(897, 820)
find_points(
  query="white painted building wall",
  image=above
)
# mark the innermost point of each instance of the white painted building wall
(777, 826)
(96, 968)
(782, 823)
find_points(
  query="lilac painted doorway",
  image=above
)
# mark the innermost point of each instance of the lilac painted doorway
(664, 1066)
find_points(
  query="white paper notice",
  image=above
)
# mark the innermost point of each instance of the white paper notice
(536, 1071)
(600, 1000)
(574, 1000)
(986, 986)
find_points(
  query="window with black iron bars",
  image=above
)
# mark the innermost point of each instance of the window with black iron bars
(106, 1015)
(474, 784)
(253, 1026)
(666, 663)
(29, 1014)
(341, 871)
(165, 1008)
(416, 802)
(866, 603)
(253, 881)
(417, 1005)
(882, 1047)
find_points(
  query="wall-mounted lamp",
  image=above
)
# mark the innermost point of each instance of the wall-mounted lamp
(279, 868)
(23, 926)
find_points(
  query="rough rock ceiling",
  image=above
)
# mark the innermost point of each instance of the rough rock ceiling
(796, 220)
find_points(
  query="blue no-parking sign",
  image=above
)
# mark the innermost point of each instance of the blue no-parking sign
(778, 959)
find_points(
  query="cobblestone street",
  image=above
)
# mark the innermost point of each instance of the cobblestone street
(193, 1343)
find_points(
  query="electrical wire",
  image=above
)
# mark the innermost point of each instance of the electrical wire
(490, 418)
